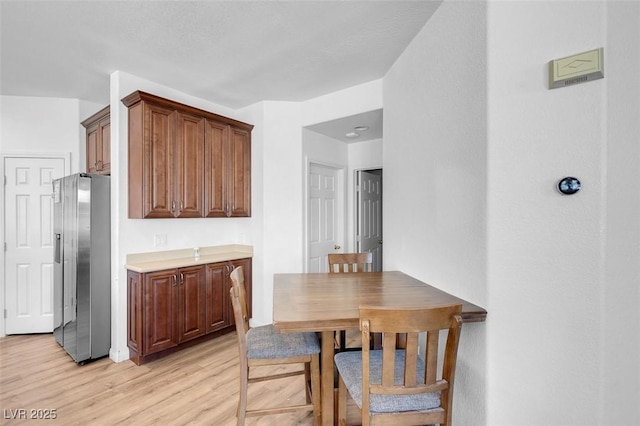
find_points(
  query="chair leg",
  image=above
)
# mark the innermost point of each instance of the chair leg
(342, 402)
(242, 400)
(316, 389)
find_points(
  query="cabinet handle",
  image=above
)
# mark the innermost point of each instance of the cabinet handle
(175, 280)
(181, 278)
(173, 206)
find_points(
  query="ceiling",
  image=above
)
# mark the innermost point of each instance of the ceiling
(233, 53)
(355, 128)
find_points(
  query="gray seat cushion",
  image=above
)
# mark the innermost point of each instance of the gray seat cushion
(350, 367)
(265, 342)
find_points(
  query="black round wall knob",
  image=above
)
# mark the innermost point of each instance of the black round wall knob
(569, 185)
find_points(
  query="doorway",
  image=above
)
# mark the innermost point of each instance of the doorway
(352, 146)
(28, 231)
(325, 215)
(368, 217)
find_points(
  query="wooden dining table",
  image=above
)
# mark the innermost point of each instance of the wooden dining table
(326, 303)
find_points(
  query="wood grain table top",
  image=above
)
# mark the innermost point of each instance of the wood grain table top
(323, 301)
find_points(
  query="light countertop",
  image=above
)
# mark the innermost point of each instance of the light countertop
(160, 260)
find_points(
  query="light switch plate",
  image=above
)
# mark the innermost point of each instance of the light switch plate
(574, 69)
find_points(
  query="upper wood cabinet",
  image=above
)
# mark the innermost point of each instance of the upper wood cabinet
(99, 142)
(227, 153)
(186, 162)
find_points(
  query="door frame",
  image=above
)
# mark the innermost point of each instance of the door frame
(342, 215)
(66, 157)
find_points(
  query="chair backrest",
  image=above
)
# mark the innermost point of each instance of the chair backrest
(411, 322)
(350, 262)
(239, 302)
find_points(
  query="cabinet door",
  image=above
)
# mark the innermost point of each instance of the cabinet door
(215, 147)
(217, 296)
(92, 149)
(104, 147)
(158, 161)
(160, 311)
(98, 142)
(239, 175)
(99, 147)
(189, 166)
(134, 311)
(191, 310)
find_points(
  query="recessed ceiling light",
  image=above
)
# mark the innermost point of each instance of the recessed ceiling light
(351, 135)
(361, 128)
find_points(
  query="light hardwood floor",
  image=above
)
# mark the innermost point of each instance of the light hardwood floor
(195, 386)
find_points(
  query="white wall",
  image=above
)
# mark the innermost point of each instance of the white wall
(343, 103)
(282, 191)
(554, 308)
(620, 289)
(435, 194)
(45, 125)
(474, 145)
(365, 155)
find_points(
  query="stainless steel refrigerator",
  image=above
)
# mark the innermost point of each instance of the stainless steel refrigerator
(82, 265)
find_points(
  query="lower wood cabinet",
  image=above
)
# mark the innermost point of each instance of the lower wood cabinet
(171, 309)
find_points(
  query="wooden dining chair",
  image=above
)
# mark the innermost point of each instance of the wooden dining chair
(260, 346)
(350, 262)
(396, 386)
(340, 263)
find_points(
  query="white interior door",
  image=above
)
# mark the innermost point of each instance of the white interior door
(369, 228)
(325, 220)
(28, 230)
